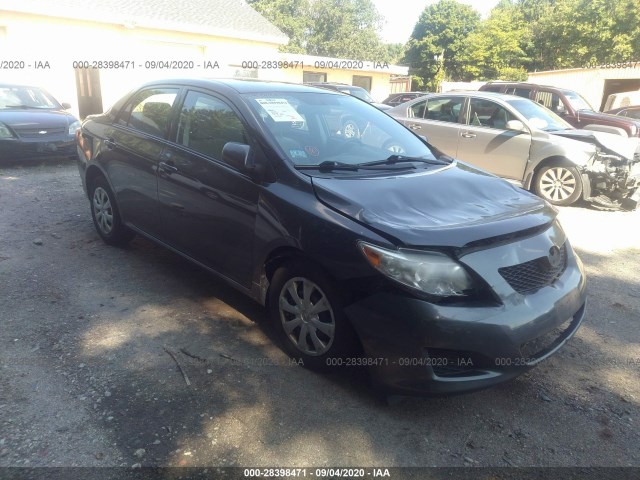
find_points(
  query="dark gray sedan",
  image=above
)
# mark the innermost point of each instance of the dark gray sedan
(435, 275)
(34, 125)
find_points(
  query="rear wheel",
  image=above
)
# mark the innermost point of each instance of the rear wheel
(559, 184)
(106, 216)
(306, 311)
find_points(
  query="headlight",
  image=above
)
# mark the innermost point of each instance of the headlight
(430, 272)
(73, 127)
(5, 132)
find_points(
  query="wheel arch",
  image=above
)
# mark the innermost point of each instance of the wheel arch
(554, 159)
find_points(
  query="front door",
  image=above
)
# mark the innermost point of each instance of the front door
(486, 143)
(208, 208)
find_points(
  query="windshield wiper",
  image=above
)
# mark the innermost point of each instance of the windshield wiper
(328, 166)
(393, 159)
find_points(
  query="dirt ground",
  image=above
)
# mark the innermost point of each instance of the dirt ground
(86, 379)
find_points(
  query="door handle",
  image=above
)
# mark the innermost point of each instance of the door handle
(110, 143)
(468, 135)
(415, 126)
(167, 168)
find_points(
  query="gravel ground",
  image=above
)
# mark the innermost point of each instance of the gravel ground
(86, 377)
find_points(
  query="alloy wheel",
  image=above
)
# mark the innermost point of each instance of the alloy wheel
(557, 184)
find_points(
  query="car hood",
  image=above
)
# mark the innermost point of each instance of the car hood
(36, 118)
(450, 207)
(607, 142)
(591, 115)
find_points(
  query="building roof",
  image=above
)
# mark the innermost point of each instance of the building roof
(226, 18)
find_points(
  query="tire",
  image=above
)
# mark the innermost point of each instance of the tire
(559, 183)
(106, 216)
(321, 336)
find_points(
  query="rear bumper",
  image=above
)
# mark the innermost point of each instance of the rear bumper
(419, 348)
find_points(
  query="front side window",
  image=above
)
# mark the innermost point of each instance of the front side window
(207, 124)
(417, 110)
(150, 111)
(485, 113)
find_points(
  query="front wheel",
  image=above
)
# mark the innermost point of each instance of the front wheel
(306, 310)
(558, 183)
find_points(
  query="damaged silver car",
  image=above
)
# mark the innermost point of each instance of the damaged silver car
(529, 145)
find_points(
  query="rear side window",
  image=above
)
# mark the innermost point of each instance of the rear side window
(444, 109)
(150, 111)
(207, 124)
(491, 88)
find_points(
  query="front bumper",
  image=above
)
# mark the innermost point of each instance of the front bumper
(24, 149)
(415, 347)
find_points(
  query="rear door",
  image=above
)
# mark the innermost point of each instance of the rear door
(208, 208)
(485, 141)
(439, 119)
(131, 155)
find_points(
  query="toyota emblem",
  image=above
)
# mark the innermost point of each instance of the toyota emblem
(555, 257)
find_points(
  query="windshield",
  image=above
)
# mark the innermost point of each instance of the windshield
(26, 97)
(538, 116)
(576, 101)
(312, 128)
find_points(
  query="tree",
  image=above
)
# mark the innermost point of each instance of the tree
(434, 48)
(331, 28)
(290, 16)
(495, 50)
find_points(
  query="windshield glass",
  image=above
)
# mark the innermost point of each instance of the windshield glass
(312, 128)
(25, 97)
(576, 101)
(538, 116)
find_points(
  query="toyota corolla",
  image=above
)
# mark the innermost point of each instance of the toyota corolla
(438, 276)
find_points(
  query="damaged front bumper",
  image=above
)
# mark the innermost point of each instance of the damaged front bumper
(615, 177)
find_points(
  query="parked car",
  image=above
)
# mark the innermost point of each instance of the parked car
(396, 99)
(436, 275)
(630, 112)
(568, 104)
(354, 90)
(528, 144)
(34, 125)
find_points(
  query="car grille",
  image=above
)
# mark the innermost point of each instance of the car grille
(531, 276)
(36, 132)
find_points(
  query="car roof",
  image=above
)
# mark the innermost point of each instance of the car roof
(524, 84)
(239, 85)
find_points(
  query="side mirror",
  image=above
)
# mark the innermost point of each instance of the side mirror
(515, 126)
(236, 155)
(65, 105)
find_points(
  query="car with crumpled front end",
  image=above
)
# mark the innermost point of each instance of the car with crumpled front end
(34, 125)
(527, 144)
(435, 275)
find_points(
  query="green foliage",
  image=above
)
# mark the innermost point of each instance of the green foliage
(437, 42)
(331, 28)
(496, 49)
